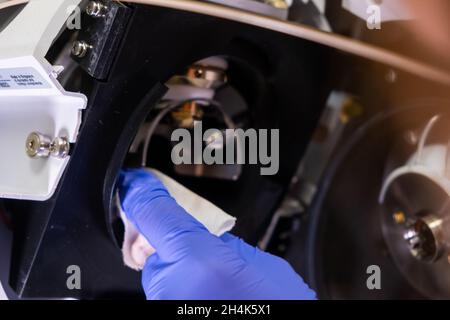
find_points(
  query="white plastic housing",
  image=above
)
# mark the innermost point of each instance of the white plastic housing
(32, 100)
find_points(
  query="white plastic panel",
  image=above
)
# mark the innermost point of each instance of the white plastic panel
(35, 28)
(31, 100)
(432, 164)
(22, 177)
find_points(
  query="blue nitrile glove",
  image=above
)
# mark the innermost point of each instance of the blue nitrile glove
(190, 262)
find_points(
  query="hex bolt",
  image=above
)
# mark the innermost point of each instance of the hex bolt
(38, 145)
(80, 48)
(96, 9)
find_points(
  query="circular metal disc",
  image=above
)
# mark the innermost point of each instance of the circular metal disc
(412, 194)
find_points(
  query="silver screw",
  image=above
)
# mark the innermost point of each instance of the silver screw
(60, 147)
(37, 145)
(80, 48)
(96, 9)
(41, 146)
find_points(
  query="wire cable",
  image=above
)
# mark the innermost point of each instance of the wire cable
(172, 106)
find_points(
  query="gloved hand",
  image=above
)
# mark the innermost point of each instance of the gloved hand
(190, 262)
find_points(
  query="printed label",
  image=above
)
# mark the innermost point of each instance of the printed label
(22, 78)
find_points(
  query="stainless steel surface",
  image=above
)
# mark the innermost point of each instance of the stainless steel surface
(418, 233)
(425, 238)
(419, 247)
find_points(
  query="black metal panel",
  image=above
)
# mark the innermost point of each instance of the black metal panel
(103, 34)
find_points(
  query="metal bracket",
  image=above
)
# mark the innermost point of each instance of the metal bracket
(103, 27)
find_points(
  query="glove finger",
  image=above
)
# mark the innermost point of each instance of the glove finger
(168, 227)
(253, 255)
(151, 279)
(280, 270)
(245, 251)
(135, 184)
(157, 216)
